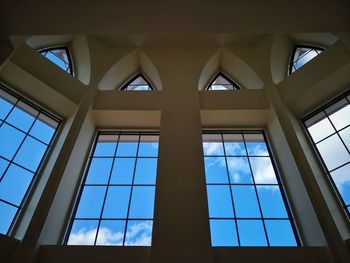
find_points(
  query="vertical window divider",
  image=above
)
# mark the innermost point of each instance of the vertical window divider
(230, 186)
(107, 188)
(132, 188)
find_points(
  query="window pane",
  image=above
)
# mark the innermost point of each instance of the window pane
(14, 185)
(123, 171)
(271, 202)
(111, 233)
(239, 170)
(7, 214)
(219, 201)
(106, 145)
(256, 145)
(148, 146)
(251, 233)
(212, 145)
(127, 145)
(245, 201)
(146, 171)
(215, 170)
(22, 116)
(91, 200)
(30, 154)
(99, 171)
(42, 130)
(333, 152)
(263, 170)
(117, 202)
(10, 140)
(3, 166)
(223, 233)
(341, 117)
(142, 202)
(83, 232)
(345, 135)
(321, 129)
(139, 233)
(234, 145)
(341, 178)
(5, 108)
(280, 233)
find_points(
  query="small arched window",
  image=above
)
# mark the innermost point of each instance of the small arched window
(138, 82)
(301, 55)
(222, 82)
(60, 56)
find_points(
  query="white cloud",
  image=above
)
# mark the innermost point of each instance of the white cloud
(139, 234)
(213, 148)
(341, 178)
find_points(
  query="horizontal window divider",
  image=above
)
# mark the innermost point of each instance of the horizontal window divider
(249, 218)
(340, 166)
(252, 184)
(9, 203)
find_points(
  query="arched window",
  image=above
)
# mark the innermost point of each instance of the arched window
(301, 55)
(60, 56)
(138, 82)
(222, 82)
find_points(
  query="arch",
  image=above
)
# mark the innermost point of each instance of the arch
(136, 62)
(233, 66)
(222, 82)
(80, 52)
(282, 49)
(137, 82)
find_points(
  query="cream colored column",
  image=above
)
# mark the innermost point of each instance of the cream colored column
(181, 226)
(291, 129)
(30, 243)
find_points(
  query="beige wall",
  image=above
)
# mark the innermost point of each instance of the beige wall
(269, 100)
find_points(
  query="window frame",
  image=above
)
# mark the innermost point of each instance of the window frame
(82, 182)
(317, 153)
(69, 56)
(136, 76)
(221, 74)
(296, 46)
(38, 173)
(280, 184)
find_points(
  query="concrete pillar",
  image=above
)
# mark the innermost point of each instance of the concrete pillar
(181, 225)
(30, 243)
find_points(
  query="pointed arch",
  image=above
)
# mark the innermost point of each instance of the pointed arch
(224, 60)
(302, 54)
(59, 56)
(138, 82)
(222, 82)
(125, 69)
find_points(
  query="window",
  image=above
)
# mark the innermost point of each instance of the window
(329, 130)
(26, 133)
(301, 55)
(138, 82)
(60, 56)
(247, 206)
(222, 82)
(117, 197)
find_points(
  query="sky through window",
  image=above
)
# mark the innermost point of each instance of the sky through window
(117, 197)
(245, 200)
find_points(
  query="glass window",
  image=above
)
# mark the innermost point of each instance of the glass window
(138, 82)
(59, 56)
(222, 82)
(245, 199)
(26, 133)
(329, 130)
(301, 55)
(117, 197)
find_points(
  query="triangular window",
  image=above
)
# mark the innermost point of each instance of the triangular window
(222, 82)
(60, 56)
(301, 55)
(138, 82)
